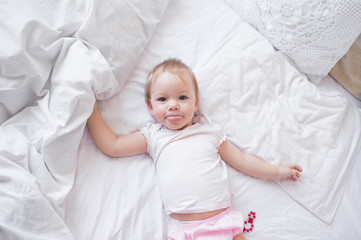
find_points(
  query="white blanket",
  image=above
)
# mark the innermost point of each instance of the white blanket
(54, 57)
(264, 104)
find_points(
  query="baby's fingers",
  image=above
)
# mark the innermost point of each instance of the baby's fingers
(295, 175)
(296, 167)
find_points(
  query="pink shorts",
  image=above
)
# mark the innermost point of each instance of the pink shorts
(223, 226)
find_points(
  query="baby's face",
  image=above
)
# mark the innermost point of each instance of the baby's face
(173, 101)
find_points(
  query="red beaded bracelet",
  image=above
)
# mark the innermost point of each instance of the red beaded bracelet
(251, 217)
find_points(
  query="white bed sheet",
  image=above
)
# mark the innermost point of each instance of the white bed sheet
(261, 100)
(119, 198)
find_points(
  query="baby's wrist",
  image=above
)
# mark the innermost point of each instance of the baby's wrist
(278, 173)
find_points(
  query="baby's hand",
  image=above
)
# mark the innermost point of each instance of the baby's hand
(289, 171)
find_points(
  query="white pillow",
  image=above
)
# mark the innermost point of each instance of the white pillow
(314, 34)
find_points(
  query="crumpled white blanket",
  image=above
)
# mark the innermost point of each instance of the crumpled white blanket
(54, 57)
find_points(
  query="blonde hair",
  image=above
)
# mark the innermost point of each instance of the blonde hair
(174, 66)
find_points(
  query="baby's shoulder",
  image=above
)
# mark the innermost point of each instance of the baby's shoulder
(151, 128)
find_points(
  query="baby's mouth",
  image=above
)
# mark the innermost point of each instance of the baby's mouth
(174, 118)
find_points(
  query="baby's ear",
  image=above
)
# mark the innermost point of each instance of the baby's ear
(197, 105)
(150, 107)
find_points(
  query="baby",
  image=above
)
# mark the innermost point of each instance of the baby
(190, 154)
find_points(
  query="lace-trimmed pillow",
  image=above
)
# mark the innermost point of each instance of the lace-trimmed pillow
(314, 34)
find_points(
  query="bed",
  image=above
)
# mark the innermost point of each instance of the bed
(57, 56)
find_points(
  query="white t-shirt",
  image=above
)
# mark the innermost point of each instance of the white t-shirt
(192, 176)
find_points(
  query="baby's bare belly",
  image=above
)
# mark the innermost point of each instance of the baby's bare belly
(196, 216)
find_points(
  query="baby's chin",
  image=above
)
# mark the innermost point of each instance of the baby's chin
(176, 126)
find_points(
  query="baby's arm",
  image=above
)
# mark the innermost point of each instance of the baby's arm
(111, 144)
(256, 167)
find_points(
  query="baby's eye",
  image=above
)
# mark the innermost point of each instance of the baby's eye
(183, 97)
(162, 99)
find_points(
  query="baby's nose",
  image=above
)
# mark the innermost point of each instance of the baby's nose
(173, 105)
